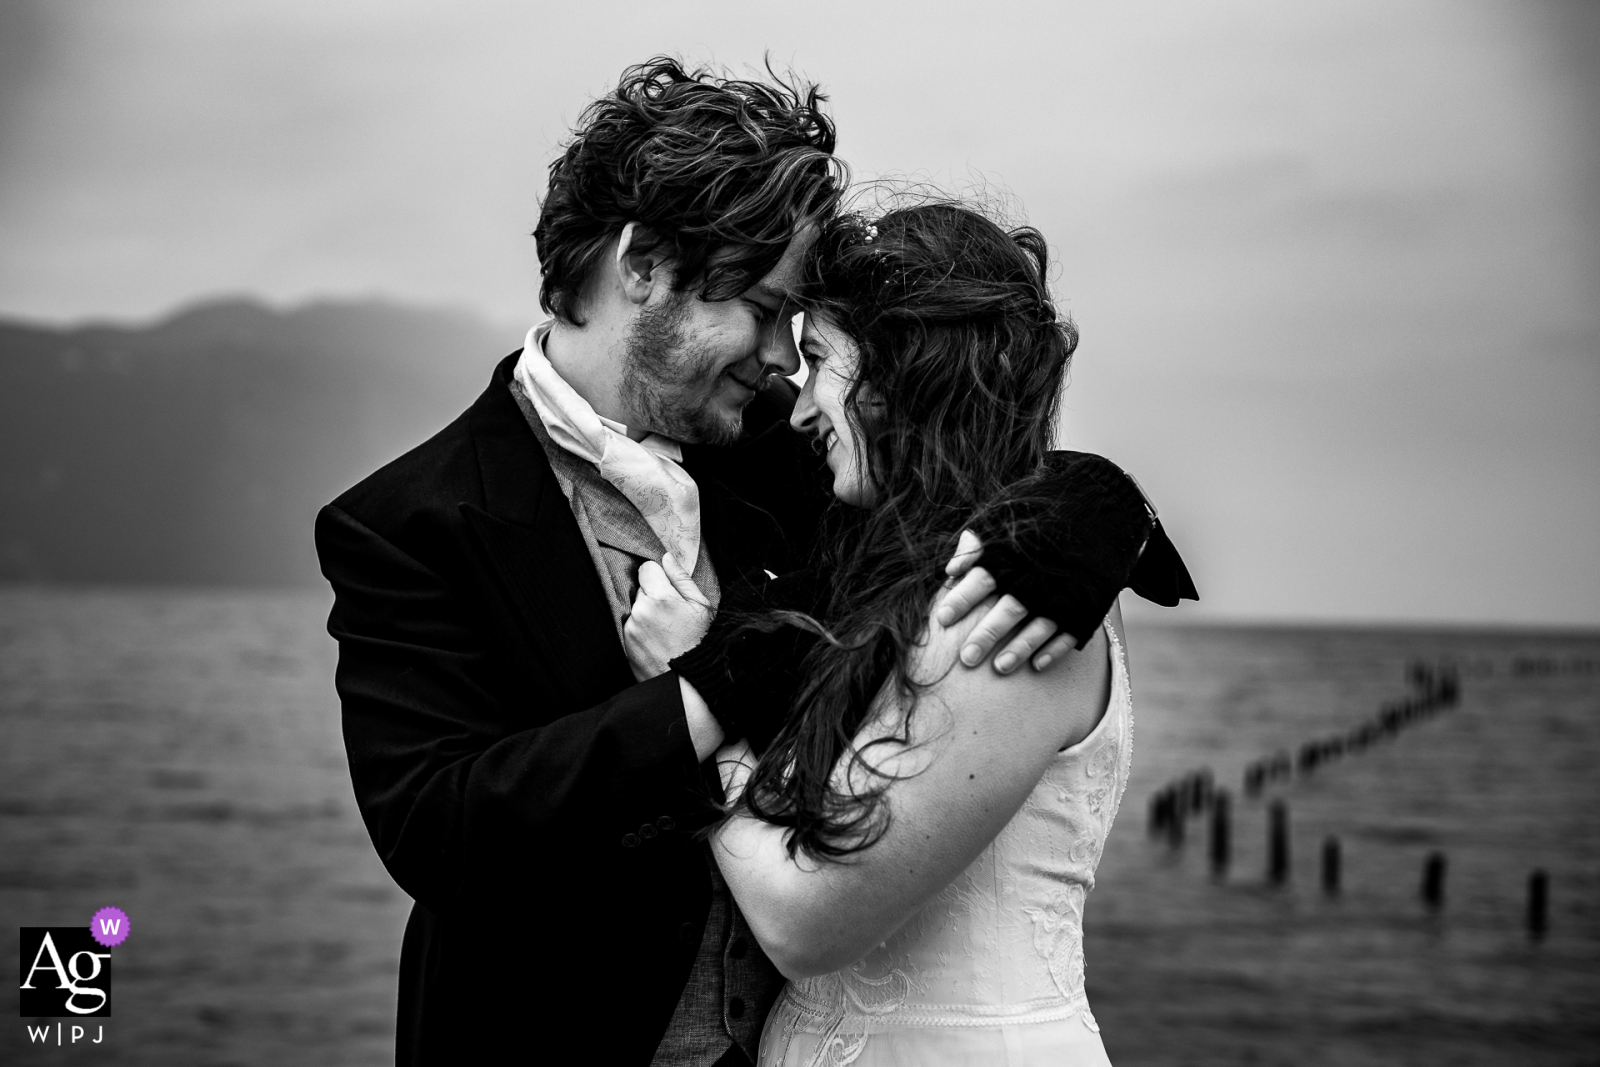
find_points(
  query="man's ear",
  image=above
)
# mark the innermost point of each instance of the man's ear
(639, 273)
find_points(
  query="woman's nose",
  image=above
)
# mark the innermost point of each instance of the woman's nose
(804, 416)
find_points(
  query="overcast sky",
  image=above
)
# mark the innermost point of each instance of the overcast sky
(1337, 267)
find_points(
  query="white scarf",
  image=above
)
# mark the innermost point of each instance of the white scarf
(647, 472)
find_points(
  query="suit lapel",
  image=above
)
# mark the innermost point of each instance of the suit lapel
(535, 554)
(612, 518)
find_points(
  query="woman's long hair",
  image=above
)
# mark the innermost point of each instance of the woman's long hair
(962, 361)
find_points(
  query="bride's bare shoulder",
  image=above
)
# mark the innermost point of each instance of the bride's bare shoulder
(1071, 693)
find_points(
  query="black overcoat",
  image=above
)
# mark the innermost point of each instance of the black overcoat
(536, 803)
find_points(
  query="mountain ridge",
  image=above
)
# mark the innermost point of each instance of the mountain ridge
(198, 448)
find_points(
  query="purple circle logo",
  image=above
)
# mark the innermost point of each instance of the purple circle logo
(109, 927)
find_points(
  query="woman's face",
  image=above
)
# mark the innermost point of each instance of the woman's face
(831, 358)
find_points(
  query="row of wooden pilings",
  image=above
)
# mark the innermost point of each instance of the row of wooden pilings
(1434, 689)
(1195, 793)
(1437, 689)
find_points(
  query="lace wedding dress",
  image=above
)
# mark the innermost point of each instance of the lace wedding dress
(991, 971)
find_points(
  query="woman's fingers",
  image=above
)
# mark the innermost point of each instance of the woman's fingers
(973, 589)
(1001, 620)
(653, 581)
(682, 581)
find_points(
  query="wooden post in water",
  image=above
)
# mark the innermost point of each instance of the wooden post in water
(1220, 844)
(1330, 865)
(1433, 880)
(1538, 902)
(1278, 844)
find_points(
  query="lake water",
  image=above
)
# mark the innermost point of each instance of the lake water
(177, 754)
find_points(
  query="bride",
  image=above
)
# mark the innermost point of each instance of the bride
(911, 842)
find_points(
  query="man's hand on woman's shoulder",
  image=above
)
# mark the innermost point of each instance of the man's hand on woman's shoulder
(1040, 639)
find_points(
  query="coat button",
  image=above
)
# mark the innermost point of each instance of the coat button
(688, 932)
(630, 840)
(647, 831)
(735, 1007)
(739, 947)
(666, 822)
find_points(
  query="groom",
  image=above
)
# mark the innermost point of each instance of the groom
(537, 803)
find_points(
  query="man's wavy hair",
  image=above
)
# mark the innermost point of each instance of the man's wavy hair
(702, 164)
(962, 363)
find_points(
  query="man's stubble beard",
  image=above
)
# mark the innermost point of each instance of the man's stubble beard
(666, 383)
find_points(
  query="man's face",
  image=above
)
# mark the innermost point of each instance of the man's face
(690, 366)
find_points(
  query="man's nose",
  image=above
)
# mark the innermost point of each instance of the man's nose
(779, 353)
(804, 416)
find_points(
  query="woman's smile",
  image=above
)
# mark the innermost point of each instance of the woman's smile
(822, 409)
